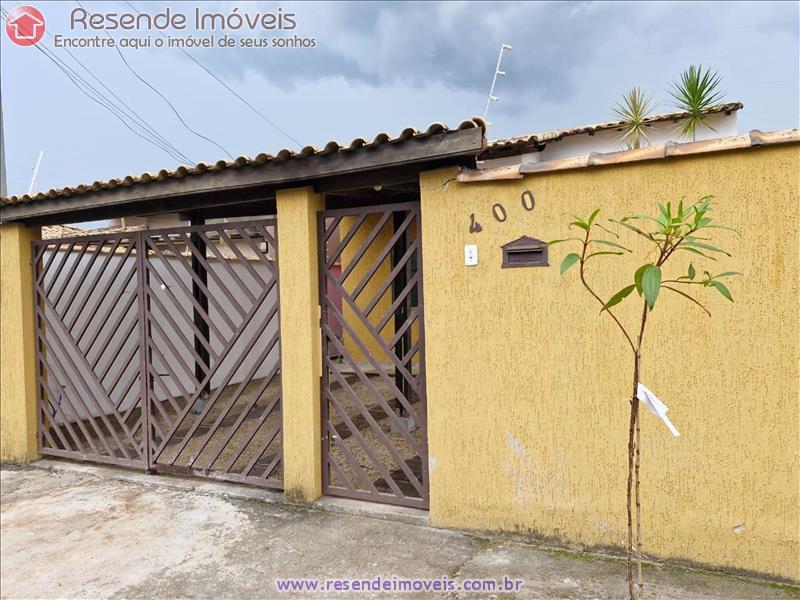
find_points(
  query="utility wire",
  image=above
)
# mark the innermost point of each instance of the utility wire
(226, 86)
(99, 98)
(82, 84)
(103, 101)
(164, 98)
(142, 123)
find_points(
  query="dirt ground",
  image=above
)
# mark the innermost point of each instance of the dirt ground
(241, 435)
(76, 531)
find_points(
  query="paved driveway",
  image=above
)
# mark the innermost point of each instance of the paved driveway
(79, 533)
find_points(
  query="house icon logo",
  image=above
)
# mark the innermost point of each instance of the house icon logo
(25, 25)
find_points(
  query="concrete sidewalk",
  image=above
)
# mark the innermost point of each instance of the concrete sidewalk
(76, 531)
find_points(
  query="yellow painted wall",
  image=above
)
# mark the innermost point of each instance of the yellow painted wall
(17, 345)
(301, 351)
(527, 384)
(374, 284)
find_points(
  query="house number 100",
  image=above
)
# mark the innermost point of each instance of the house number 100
(499, 211)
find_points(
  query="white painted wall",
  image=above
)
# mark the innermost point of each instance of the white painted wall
(612, 140)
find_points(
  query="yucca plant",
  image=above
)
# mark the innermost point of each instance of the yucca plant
(694, 92)
(632, 111)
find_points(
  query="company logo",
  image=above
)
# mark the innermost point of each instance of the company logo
(25, 25)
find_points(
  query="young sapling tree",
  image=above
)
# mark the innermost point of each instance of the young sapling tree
(671, 232)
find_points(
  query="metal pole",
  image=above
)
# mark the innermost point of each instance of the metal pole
(401, 313)
(142, 283)
(200, 368)
(497, 71)
(3, 187)
(35, 172)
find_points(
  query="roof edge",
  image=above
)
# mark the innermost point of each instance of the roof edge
(541, 137)
(178, 190)
(284, 156)
(754, 139)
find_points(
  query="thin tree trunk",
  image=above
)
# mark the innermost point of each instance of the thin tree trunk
(639, 581)
(631, 450)
(633, 456)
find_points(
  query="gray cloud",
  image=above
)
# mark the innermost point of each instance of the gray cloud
(383, 66)
(454, 44)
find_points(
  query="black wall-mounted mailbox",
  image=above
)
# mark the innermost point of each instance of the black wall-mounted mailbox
(525, 252)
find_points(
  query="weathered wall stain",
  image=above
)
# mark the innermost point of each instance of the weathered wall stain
(532, 481)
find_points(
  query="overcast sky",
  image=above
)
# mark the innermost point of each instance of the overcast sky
(382, 67)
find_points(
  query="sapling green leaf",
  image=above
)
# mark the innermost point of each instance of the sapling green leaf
(725, 227)
(727, 274)
(694, 251)
(618, 297)
(602, 254)
(722, 289)
(644, 218)
(610, 243)
(632, 228)
(693, 243)
(687, 296)
(607, 230)
(569, 260)
(637, 277)
(570, 239)
(651, 282)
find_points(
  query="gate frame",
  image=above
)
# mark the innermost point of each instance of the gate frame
(40, 327)
(406, 501)
(139, 244)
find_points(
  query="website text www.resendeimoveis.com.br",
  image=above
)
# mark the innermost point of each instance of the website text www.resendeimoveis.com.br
(398, 584)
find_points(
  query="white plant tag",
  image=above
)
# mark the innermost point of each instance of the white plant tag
(656, 406)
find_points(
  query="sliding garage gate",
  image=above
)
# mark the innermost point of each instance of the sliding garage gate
(373, 385)
(160, 349)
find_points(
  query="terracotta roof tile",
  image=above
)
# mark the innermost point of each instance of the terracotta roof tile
(242, 161)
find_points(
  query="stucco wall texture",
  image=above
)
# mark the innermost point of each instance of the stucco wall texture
(17, 345)
(301, 350)
(375, 283)
(527, 384)
(378, 280)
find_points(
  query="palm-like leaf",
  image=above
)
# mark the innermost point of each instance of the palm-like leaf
(633, 110)
(694, 92)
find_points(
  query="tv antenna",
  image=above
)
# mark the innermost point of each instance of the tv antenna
(35, 172)
(497, 71)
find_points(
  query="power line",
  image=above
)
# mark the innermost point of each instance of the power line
(163, 97)
(226, 86)
(143, 123)
(102, 100)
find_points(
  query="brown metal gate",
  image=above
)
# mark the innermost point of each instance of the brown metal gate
(373, 383)
(161, 349)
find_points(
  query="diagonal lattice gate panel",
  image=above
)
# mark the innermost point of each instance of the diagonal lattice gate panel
(184, 322)
(213, 352)
(373, 387)
(88, 340)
